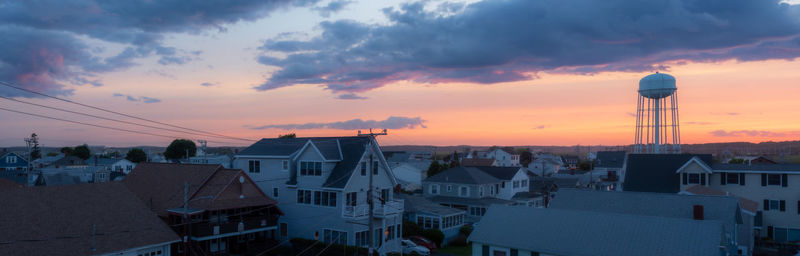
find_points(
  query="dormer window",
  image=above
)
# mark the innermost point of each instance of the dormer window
(285, 164)
(11, 159)
(308, 168)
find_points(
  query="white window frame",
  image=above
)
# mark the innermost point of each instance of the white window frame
(449, 188)
(432, 190)
(11, 159)
(466, 193)
(480, 191)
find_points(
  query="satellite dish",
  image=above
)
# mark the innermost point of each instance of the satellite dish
(241, 179)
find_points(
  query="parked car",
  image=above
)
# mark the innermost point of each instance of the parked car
(410, 247)
(421, 241)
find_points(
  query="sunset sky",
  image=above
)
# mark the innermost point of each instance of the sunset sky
(491, 72)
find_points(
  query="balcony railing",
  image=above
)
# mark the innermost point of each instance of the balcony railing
(380, 210)
(203, 229)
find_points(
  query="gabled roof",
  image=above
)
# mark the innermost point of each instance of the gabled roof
(21, 160)
(502, 173)
(596, 233)
(656, 172)
(722, 208)
(60, 221)
(463, 175)
(286, 147)
(695, 160)
(610, 159)
(161, 186)
(477, 162)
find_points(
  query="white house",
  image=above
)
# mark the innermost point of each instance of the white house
(411, 174)
(504, 157)
(223, 160)
(322, 186)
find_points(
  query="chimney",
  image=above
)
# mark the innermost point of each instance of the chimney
(698, 212)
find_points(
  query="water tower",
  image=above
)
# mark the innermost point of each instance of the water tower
(657, 124)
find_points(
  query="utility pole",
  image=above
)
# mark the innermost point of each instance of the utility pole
(371, 238)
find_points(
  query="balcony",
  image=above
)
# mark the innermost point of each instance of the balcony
(361, 211)
(205, 228)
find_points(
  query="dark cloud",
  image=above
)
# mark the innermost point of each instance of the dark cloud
(351, 96)
(43, 50)
(503, 41)
(331, 7)
(752, 133)
(142, 99)
(207, 84)
(393, 122)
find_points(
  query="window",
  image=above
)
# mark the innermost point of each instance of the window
(321, 198)
(303, 196)
(449, 188)
(480, 191)
(351, 198)
(434, 189)
(255, 166)
(284, 230)
(378, 236)
(774, 205)
(361, 238)
(375, 168)
(285, 164)
(334, 237)
(477, 211)
(695, 178)
(384, 196)
(732, 178)
(308, 168)
(11, 159)
(389, 233)
(491, 189)
(275, 192)
(516, 184)
(363, 168)
(463, 191)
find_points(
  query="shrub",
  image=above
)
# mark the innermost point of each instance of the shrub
(434, 235)
(465, 230)
(411, 229)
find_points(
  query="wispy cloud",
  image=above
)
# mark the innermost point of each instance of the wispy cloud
(207, 84)
(699, 123)
(423, 46)
(726, 113)
(393, 122)
(143, 99)
(539, 127)
(351, 96)
(752, 133)
(332, 7)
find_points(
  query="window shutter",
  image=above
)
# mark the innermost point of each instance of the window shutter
(783, 205)
(785, 180)
(685, 178)
(722, 180)
(766, 205)
(741, 178)
(514, 252)
(485, 250)
(763, 179)
(703, 179)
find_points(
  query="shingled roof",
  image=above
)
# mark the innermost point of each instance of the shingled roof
(610, 159)
(463, 175)
(59, 221)
(503, 173)
(656, 172)
(161, 186)
(477, 162)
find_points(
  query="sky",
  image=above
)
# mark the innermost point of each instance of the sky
(491, 72)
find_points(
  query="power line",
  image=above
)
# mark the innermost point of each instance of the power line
(94, 125)
(108, 119)
(114, 112)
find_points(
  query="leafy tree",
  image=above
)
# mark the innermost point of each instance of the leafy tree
(114, 154)
(434, 235)
(82, 151)
(287, 136)
(36, 152)
(411, 229)
(525, 158)
(52, 154)
(434, 168)
(585, 166)
(67, 151)
(136, 155)
(178, 149)
(736, 161)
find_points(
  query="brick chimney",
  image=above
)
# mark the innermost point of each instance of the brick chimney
(697, 211)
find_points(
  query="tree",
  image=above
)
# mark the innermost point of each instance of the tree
(82, 152)
(585, 166)
(434, 235)
(736, 161)
(136, 155)
(434, 168)
(287, 136)
(411, 229)
(36, 153)
(67, 151)
(525, 158)
(178, 149)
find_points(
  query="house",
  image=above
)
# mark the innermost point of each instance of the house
(223, 160)
(479, 162)
(610, 164)
(70, 175)
(570, 161)
(546, 165)
(470, 189)
(506, 157)
(411, 174)
(738, 225)
(430, 215)
(84, 219)
(227, 211)
(68, 162)
(120, 165)
(11, 161)
(513, 230)
(775, 187)
(322, 184)
(657, 172)
(514, 185)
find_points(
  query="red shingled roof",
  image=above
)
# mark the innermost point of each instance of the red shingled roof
(746, 204)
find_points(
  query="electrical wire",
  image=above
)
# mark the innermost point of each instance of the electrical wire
(114, 112)
(108, 119)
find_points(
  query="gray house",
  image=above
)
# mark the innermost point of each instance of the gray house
(726, 209)
(322, 185)
(514, 230)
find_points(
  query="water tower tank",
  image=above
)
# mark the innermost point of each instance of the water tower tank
(657, 86)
